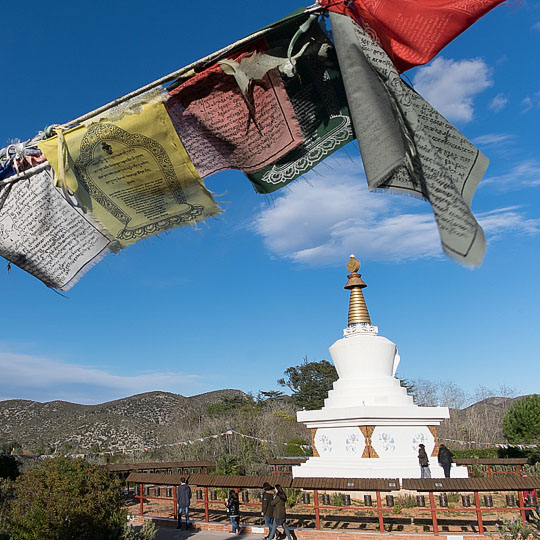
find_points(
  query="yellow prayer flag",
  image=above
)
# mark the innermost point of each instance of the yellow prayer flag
(133, 173)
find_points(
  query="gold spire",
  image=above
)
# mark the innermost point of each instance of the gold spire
(358, 311)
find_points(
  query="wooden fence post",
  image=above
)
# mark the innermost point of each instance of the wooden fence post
(141, 499)
(478, 513)
(433, 513)
(206, 515)
(379, 511)
(317, 511)
(522, 506)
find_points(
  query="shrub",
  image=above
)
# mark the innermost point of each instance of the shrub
(297, 447)
(517, 530)
(406, 501)
(294, 496)
(229, 466)
(63, 499)
(9, 467)
(337, 499)
(147, 532)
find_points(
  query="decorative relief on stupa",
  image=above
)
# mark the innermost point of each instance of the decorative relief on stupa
(418, 439)
(325, 444)
(369, 451)
(388, 443)
(433, 430)
(353, 444)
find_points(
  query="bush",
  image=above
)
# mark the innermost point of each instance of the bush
(406, 501)
(9, 467)
(147, 532)
(476, 453)
(63, 499)
(337, 499)
(297, 447)
(517, 530)
(229, 466)
(294, 496)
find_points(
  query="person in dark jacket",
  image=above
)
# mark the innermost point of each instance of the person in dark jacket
(233, 509)
(445, 459)
(278, 503)
(183, 498)
(424, 462)
(267, 510)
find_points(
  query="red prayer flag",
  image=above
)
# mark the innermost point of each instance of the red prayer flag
(412, 32)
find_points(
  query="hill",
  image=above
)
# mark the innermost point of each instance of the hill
(480, 422)
(145, 419)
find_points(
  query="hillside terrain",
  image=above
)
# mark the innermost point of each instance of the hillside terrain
(161, 418)
(145, 419)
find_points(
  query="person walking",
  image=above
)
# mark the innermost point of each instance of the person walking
(183, 498)
(233, 509)
(267, 510)
(445, 459)
(278, 503)
(530, 500)
(424, 462)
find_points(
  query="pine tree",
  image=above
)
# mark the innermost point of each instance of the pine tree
(521, 424)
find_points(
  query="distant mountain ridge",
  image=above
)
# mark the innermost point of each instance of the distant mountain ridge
(158, 418)
(150, 418)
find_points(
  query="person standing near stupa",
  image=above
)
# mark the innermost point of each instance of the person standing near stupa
(424, 462)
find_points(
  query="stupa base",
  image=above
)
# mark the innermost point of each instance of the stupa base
(326, 467)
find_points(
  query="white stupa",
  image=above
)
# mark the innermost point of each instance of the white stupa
(369, 427)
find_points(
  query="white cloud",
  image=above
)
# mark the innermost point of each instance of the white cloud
(450, 85)
(498, 103)
(316, 222)
(493, 139)
(530, 102)
(523, 174)
(527, 104)
(42, 379)
(504, 220)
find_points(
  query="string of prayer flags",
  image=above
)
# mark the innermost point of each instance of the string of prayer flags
(406, 145)
(412, 32)
(130, 170)
(42, 233)
(320, 105)
(227, 126)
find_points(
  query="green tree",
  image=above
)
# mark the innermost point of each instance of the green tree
(9, 467)
(229, 466)
(521, 424)
(298, 447)
(228, 405)
(310, 382)
(63, 499)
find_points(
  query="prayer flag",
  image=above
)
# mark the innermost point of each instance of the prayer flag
(412, 32)
(130, 170)
(320, 105)
(406, 145)
(221, 128)
(42, 233)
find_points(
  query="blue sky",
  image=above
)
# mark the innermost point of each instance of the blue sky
(248, 294)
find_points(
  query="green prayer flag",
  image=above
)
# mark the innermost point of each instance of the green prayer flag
(319, 103)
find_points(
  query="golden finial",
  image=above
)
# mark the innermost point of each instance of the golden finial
(358, 311)
(354, 264)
